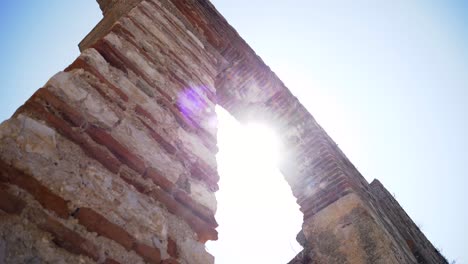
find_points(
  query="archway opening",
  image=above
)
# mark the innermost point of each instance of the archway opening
(257, 214)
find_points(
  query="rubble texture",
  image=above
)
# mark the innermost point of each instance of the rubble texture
(113, 160)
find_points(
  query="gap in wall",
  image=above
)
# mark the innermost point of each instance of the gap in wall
(257, 214)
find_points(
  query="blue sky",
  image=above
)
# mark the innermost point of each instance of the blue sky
(386, 79)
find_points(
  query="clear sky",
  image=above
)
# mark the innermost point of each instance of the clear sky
(388, 80)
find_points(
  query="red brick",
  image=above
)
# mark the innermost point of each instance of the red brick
(204, 230)
(202, 172)
(81, 64)
(208, 140)
(172, 248)
(141, 111)
(106, 51)
(200, 210)
(194, 19)
(200, 131)
(159, 179)
(411, 244)
(11, 204)
(170, 261)
(104, 91)
(44, 196)
(115, 57)
(120, 30)
(92, 150)
(187, 124)
(95, 222)
(313, 206)
(119, 150)
(68, 112)
(149, 254)
(135, 180)
(160, 139)
(179, 117)
(110, 261)
(96, 133)
(68, 239)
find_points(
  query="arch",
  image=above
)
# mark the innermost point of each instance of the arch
(113, 159)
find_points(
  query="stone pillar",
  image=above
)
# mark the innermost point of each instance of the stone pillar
(113, 160)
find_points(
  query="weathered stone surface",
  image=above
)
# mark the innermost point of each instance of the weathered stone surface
(95, 222)
(23, 242)
(150, 254)
(67, 239)
(194, 253)
(10, 204)
(418, 244)
(347, 232)
(42, 194)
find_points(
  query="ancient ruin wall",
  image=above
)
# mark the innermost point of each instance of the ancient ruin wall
(113, 160)
(421, 247)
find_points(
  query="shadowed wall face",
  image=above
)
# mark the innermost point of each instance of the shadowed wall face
(113, 160)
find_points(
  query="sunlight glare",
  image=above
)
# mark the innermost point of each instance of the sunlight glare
(257, 213)
(260, 145)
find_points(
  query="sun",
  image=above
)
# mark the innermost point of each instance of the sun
(260, 145)
(251, 147)
(257, 213)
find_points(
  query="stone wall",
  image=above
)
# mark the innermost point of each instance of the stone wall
(420, 246)
(113, 160)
